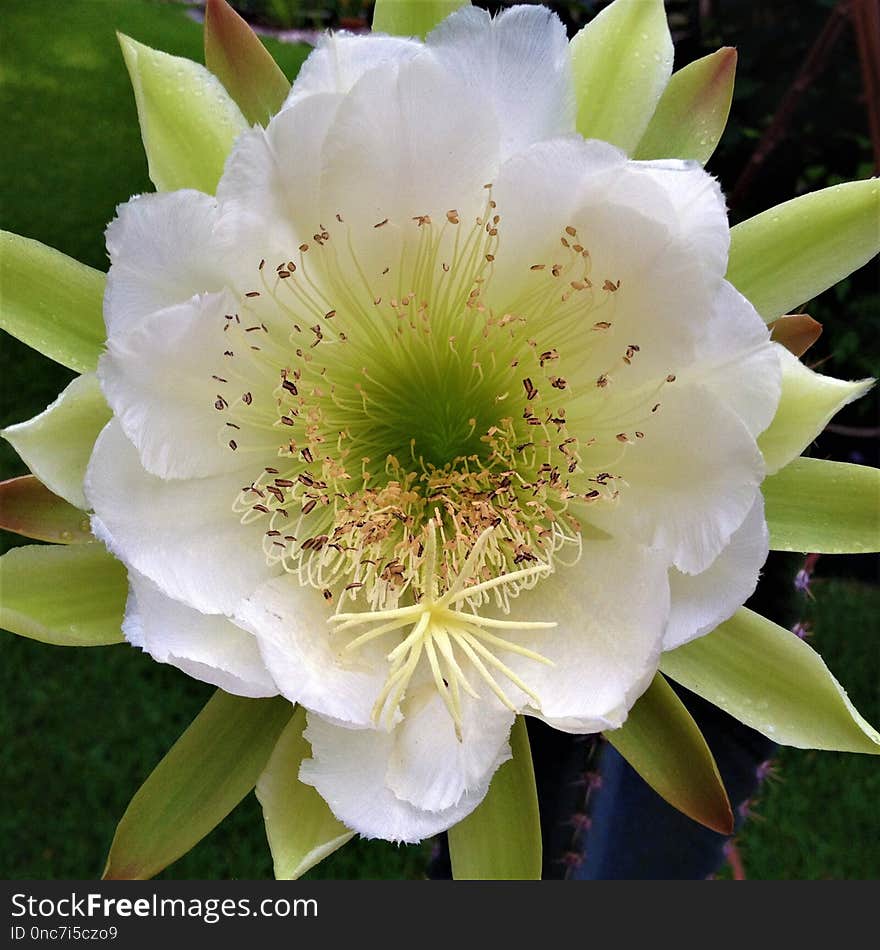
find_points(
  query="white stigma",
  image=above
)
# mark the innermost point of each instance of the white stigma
(438, 628)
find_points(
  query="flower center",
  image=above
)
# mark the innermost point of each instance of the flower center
(419, 453)
(398, 394)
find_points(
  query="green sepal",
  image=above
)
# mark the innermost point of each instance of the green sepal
(815, 506)
(661, 741)
(621, 61)
(785, 256)
(188, 121)
(807, 404)
(692, 112)
(28, 508)
(51, 302)
(771, 680)
(235, 55)
(412, 17)
(501, 839)
(301, 829)
(56, 444)
(68, 595)
(204, 775)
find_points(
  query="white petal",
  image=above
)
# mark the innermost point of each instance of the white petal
(183, 535)
(290, 625)
(690, 482)
(340, 59)
(628, 222)
(207, 647)
(269, 192)
(521, 58)
(547, 176)
(625, 218)
(162, 251)
(349, 769)
(429, 767)
(423, 141)
(702, 601)
(700, 210)
(611, 610)
(163, 378)
(737, 362)
(660, 229)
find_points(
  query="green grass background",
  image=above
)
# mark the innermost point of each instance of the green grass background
(81, 729)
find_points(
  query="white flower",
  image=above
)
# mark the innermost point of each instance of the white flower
(436, 414)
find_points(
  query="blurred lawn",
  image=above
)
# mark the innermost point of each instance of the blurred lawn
(83, 728)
